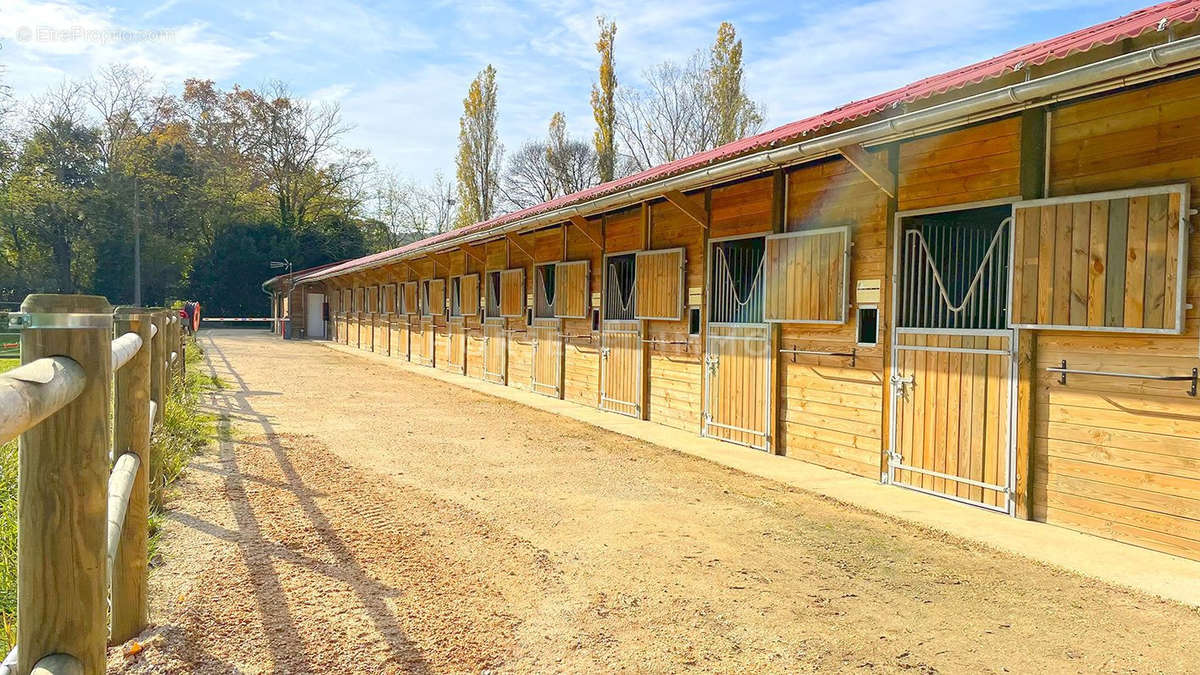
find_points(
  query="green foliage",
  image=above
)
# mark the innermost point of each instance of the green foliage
(479, 151)
(94, 176)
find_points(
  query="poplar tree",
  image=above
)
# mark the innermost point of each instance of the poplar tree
(479, 151)
(604, 107)
(735, 114)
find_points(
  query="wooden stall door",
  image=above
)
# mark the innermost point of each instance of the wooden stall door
(495, 351)
(425, 337)
(621, 368)
(398, 337)
(952, 361)
(951, 425)
(456, 354)
(737, 384)
(547, 369)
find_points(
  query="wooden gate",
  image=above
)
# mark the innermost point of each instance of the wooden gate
(495, 351)
(952, 364)
(546, 371)
(399, 336)
(621, 368)
(737, 385)
(738, 352)
(456, 338)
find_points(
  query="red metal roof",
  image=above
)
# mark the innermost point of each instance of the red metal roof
(1156, 17)
(300, 274)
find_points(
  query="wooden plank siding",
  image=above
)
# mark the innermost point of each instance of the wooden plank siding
(831, 413)
(972, 164)
(1116, 457)
(672, 358)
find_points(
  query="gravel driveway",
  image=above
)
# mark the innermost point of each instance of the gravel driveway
(360, 518)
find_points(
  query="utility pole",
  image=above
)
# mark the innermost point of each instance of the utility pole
(137, 247)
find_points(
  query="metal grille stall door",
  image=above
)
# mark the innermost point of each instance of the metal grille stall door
(952, 373)
(547, 366)
(621, 368)
(951, 418)
(737, 384)
(495, 352)
(456, 352)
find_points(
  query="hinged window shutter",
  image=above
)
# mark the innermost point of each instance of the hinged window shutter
(806, 276)
(512, 292)
(659, 284)
(573, 298)
(437, 296)
(469, 294)
(410, 297)
(1109, 261)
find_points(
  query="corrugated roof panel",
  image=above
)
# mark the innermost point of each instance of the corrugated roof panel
(1156, 17)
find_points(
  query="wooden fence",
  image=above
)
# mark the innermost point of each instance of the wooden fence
(74, 555)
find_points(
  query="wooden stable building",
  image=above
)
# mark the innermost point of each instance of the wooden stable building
(979, 286)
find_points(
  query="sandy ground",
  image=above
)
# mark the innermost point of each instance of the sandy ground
(363, 519)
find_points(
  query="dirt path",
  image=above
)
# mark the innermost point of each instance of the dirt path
(366, 519)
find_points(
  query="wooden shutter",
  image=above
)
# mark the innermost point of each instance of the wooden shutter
(1110, 261)
(437, 297)
(659, 280)
(806, 275)
(468, 294)
(410, 297)
(573, 297)
(512, 292)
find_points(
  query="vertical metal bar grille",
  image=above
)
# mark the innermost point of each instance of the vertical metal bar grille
(620, 298)
(492, 309)
(456, 296)
(953, 273)
(544, 297)
(737, 281)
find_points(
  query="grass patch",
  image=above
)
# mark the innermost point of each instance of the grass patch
(183, 433)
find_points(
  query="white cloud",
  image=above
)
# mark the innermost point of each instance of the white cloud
(47, 41)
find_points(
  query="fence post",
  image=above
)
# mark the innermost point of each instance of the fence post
(63, 472)
(156, 364)
(131, 433)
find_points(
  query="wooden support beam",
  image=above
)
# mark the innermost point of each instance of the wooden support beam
(439, 259)
(592, 232)
(474, 253)
(515, 240)
(876, 171)
(689, 207)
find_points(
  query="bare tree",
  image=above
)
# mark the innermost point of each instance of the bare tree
(669, 118)
(544, 169)
(410, 211)
(298, 153)
(121, 97)
(685, 109)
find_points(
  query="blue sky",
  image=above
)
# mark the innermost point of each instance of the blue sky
(400, 69)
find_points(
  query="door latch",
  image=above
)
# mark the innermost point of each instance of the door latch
(900, 384)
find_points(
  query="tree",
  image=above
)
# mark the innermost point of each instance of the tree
(736, 115)
(604, 105)
(479, 151)
(406, 212)
(689, 108)
(668, 119)
(542, 170)
(295, 149)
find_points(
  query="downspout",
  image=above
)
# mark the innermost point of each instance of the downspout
(1022, 94)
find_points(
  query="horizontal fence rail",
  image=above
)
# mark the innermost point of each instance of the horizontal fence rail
(80, 564)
